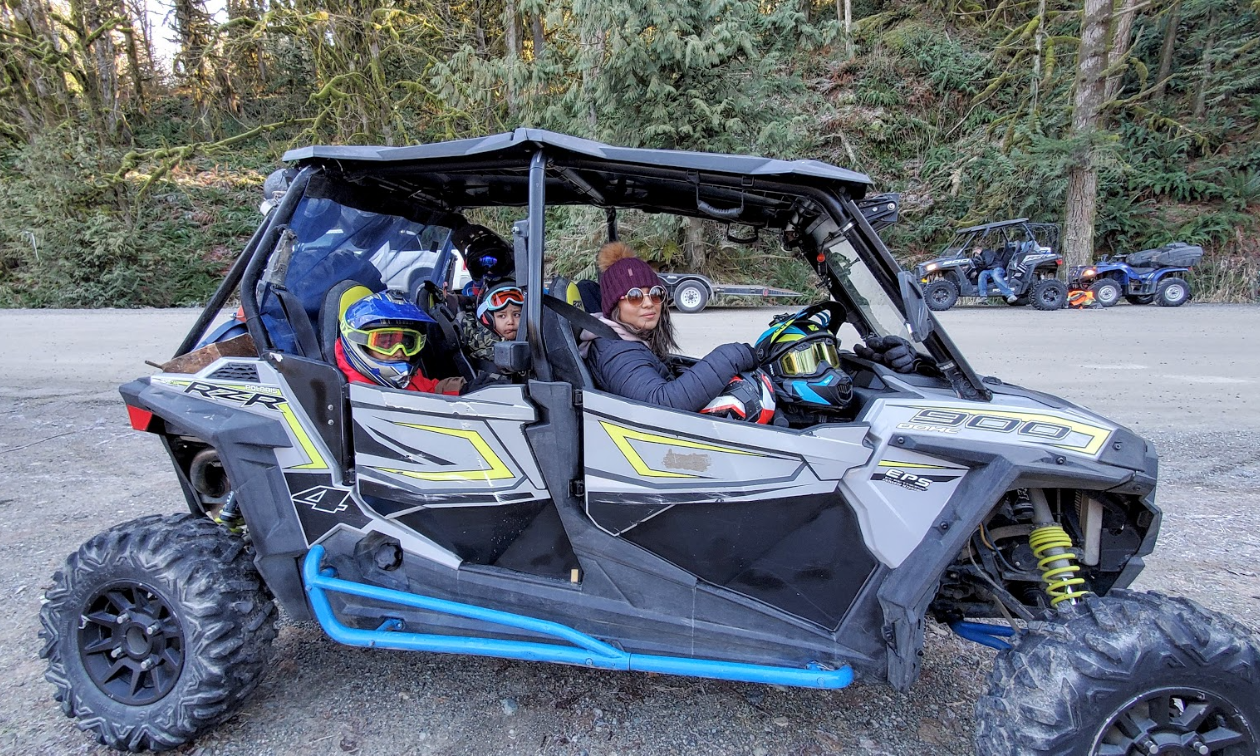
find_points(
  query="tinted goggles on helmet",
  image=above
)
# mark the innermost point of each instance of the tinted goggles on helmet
(636, 295)
(390, 341)
(808, 358)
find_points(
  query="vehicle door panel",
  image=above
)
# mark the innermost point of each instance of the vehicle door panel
(458, 470)
(752, 508)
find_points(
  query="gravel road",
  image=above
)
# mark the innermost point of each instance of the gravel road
(1188, 379)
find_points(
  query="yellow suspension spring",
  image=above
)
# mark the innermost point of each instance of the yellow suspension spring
(1053, 549)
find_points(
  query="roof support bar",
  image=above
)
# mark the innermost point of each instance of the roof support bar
(534, 279)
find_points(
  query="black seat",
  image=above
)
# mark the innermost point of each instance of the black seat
(561, 339)
(329, 313)
(590, 295)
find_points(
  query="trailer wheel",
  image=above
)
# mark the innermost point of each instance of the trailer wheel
(691, 296)
(155, 630)
(1131, 673)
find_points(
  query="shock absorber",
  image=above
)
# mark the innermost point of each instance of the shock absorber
(1052, 547)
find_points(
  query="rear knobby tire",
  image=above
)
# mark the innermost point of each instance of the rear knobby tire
(1048, 294)
(1129, 671)
(940, 294)
(155, 630)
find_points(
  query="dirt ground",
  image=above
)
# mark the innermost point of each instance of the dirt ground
(1187, 379)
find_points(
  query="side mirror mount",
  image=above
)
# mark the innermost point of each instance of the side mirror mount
(918, 320)
(274, 188)
(511, 356)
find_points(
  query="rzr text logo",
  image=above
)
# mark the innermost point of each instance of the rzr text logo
(243, 398)
(951, 421)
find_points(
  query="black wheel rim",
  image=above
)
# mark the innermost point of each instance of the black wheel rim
(940, 294)
(1051, 296)
(131, 644)
(1176, 721)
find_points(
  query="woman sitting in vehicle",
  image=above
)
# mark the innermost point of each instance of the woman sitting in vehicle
(636, 366)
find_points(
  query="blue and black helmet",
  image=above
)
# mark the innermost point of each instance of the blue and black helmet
(802, 355)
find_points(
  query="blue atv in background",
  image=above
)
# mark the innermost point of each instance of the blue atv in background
(1152, 275)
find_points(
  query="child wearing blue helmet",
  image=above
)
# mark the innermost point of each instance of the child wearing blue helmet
(380, 339)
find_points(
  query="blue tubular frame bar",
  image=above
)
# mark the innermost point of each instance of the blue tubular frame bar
(984, 634)
(585, 651)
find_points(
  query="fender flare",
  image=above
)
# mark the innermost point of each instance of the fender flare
(246, 442)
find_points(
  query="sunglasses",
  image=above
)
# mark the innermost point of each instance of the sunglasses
(389, 341)
(635, 296)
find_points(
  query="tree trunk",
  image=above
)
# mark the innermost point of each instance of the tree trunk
(1121, 36)
(696, 258)
(479, 28)
(593, 39)
(513, 37)
(1039, 43)
(1082, 191)
(1205, 67)
(540, 40)
(133, 61)
(845, 17)
(1170, 46)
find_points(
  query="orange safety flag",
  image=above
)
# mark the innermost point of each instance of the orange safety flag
(1081, 299)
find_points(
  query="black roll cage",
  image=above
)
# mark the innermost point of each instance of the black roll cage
(548, 166)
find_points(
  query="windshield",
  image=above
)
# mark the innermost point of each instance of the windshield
(329, 242)
(872, 302)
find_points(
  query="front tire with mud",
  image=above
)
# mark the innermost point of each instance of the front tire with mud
(1048, 294)
(1128, 674)
(940, 294)
(155, 630)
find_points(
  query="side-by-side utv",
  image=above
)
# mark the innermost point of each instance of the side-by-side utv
(1028, 252)
(543, 519)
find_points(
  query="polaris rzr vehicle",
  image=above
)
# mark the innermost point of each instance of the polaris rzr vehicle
(1029, 252)
(1152, 275)
(543, 519)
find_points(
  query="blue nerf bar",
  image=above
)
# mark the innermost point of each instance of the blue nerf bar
(584, 650)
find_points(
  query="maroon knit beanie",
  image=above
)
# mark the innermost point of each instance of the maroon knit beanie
(622, 273)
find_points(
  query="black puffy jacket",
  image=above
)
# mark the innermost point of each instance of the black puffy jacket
(630, 369)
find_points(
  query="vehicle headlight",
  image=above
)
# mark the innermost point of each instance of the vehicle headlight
(1088, 272)
(931, 267)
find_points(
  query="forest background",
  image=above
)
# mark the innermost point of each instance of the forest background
(131, 164)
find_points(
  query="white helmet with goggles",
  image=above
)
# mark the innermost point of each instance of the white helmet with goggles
(502, 295)
(382, 335)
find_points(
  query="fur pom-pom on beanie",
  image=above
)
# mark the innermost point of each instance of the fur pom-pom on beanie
(620, 271)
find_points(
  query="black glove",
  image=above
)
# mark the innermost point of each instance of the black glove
(891, 351)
